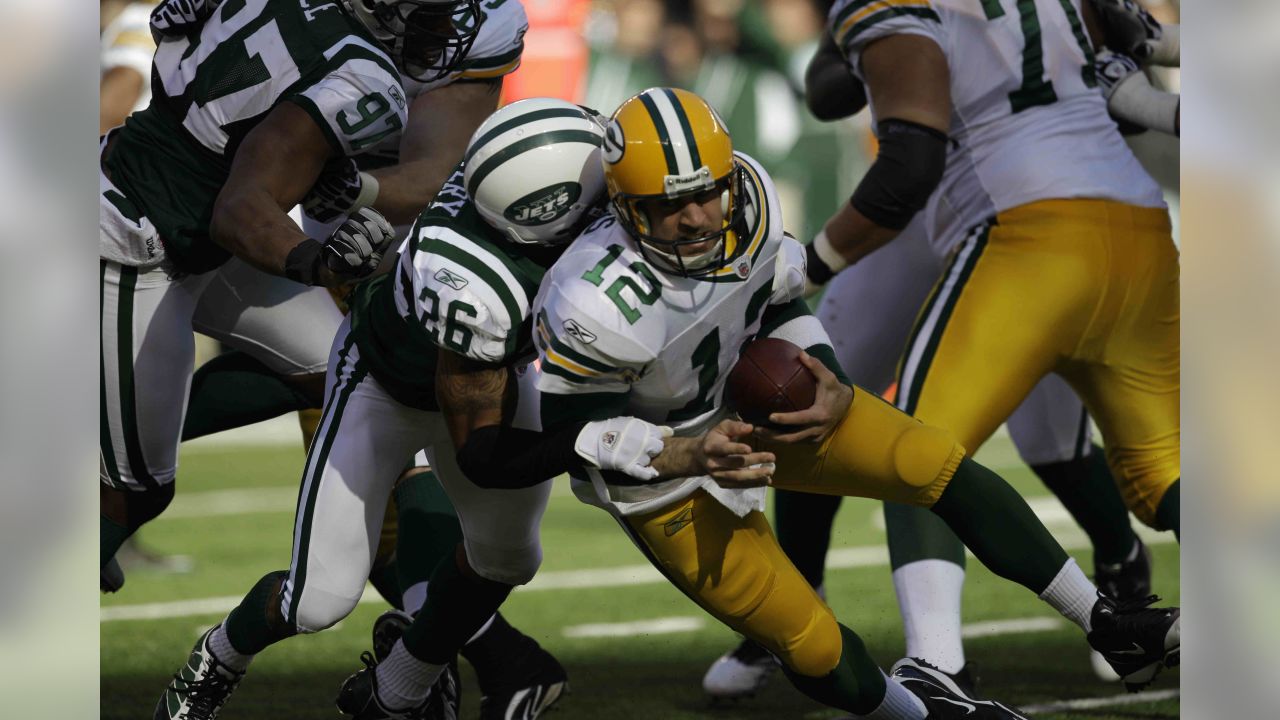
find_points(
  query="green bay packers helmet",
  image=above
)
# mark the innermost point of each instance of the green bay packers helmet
(427, 39)
(669, 143)
(533, 170)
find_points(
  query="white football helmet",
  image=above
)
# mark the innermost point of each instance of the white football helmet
(534, 171)
(427, 39)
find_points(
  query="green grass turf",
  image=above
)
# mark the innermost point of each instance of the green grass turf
(655, 676)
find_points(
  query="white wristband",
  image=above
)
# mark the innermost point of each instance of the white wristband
(828, 254)
(1167, 50)
(368, 191)
(1136, 101)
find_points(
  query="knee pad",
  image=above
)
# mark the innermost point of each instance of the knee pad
(815, 652)
(921, 452)
(509, 566)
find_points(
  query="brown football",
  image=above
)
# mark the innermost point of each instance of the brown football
(769, 378)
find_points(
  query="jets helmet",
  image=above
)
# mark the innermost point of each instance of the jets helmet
(533, 170)
(666, 143)
(427, 39)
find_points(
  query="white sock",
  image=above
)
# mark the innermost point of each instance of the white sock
(220, 645)
(483, 629)
(1072, 595)
(899, 704)
(414, 598)
(403, 680)
(929, 599)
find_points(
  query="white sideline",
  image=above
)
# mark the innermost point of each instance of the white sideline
(1101, 702)
(621, 576)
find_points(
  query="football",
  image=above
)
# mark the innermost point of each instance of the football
(769, 378)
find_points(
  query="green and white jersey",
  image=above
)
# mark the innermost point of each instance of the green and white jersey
(210, 89)
(1028, 122)
(609, 322)
(496, 52)
(460, 285)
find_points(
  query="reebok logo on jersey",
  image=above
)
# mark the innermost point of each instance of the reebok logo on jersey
(453, 280)
(609, 439)
(678, 523)
(579, 333)
(396, 95)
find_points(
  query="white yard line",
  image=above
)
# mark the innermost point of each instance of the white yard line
(620, 576)
(1101, 702)
(656, 626)
(1015, 626)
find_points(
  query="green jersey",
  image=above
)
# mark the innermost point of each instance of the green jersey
(461, 285)
(211, 88)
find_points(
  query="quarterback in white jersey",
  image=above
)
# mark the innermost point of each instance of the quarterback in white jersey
(637, 328)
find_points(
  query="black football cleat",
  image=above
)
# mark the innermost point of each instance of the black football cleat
(358, 696)
(1135, 639)
(387, 629)
(1128, 579)
(200, 688)
(943, 697)
(534, 682)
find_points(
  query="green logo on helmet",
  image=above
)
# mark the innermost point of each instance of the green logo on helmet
(545, 205)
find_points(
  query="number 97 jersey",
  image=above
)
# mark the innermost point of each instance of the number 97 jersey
(1028, 121)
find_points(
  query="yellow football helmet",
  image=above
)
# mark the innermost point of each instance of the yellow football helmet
(669, 143)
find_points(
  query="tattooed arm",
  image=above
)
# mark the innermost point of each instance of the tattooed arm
(472, 394)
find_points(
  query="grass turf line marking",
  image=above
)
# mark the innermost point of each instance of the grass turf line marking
(656, 626)
(1101, 702)
(622, 576)
(1014, 626)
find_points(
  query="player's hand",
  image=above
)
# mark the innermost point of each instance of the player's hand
(816, 422)
(1112, 69)
(623, 444)
(176, 18)
(341, 190)
(355, 249)
(1128, 28)
(731, 462)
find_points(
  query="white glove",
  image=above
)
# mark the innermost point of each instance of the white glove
(355, 249)
(1128, 28)
(623, 444)
(340, 190)
(1130, 96)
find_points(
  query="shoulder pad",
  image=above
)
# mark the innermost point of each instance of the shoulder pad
(856, 23)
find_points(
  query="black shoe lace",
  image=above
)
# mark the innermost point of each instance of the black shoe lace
(206, 694)
(370, 662)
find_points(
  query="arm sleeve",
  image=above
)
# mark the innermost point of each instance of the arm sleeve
(854, 24)
(831, 91)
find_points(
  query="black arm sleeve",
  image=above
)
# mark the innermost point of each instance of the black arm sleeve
(497, 457)
(907, 170)
(830, 89)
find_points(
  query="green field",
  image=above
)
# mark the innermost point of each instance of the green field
(233, 516)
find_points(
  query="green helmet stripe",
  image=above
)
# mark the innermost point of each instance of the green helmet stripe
(518, 121)
(530, 143)
(663, 136)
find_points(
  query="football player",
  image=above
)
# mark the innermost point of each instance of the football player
(1046, 218)
(1050, 429)
(456, 307)
(638, 325)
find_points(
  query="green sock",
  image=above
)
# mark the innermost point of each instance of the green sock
(1088, 491)
(802, 522)
(250, 627)
(1169, 512)
(457, 606)
(233, 390)
(110, 537)
(994, 522)
(428, 529)
(917, 534)
(856, 684)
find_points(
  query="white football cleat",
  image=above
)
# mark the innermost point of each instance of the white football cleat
(739, 673)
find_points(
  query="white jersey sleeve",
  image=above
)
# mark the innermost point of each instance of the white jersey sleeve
(360, 103)
(857, 23)
(495, 52)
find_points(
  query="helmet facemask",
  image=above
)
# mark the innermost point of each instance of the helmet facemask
(665, 254)
(427, 40)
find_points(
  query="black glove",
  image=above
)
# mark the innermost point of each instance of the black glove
(355, 249)
(340, 190)
(1127, 28)
(177, 18)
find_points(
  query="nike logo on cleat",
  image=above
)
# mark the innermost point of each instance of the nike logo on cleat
(969, 707)
(1137, 650)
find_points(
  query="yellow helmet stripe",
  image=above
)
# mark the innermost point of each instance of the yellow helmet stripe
(664, 135)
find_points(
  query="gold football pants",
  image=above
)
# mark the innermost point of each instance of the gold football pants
(1084, 288)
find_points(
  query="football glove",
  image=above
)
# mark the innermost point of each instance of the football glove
(341, 190)
(623, 444)
(1131, 100)
(355, 249)
(1128, 28)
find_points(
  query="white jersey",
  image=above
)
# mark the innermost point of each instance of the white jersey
(1028, 121)
(126, 42)
(607, 321)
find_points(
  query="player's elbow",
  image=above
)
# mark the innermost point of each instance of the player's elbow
(831, 92)
(908, 168)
